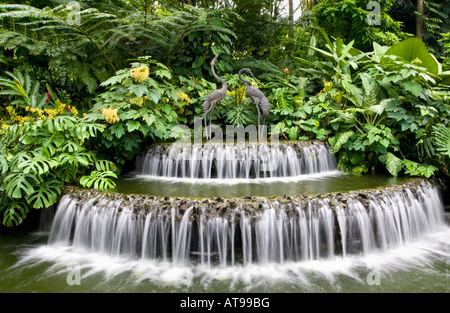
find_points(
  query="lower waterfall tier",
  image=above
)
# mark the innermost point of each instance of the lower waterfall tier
(246, 230)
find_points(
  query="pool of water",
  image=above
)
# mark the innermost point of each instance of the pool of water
(28, 264)
(333, 181)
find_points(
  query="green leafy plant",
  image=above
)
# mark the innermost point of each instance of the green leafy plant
(347, 19)
(38, 157)
(139, 103)
(23, 89)
(380, 106)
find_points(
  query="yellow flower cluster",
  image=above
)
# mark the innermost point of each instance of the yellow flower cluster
(139, 101)
(239, 94)
(35, 114)
(16, 118)
(327, 86)
(110, 115)
(416, 61)
(45, 113)
(140, 74)
(184, 97)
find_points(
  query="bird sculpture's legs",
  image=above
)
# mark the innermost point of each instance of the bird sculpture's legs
(208, 132)
(205, 116)
(210, 129)
(259, 114)
(264, 123)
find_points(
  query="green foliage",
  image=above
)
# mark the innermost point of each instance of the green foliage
(446, 47)
(347, 19)
(99, 180)
(24, 90)
(76, 47)
(201, 34)
(257, 31)
(380, 107)
(413, 50)
(39, 156)
(442, 135)
(52, 33)
(141, 107)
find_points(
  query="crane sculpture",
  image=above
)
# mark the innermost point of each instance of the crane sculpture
(213, 98)
(260, 100)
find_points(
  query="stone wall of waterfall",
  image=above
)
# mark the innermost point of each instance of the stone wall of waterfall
(249, 230)
(225, 161)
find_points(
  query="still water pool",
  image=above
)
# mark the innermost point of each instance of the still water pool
(327, 182)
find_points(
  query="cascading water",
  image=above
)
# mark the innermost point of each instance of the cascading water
(222, 217)
(244, 161)
(250, 230)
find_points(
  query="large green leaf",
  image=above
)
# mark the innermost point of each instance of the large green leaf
(4, 165)
(413, 49)
(393, 164)
(37, 165)
(15, 213)
(19, 185)
(99, 180)
(416, 169)
(445, 78)
(46, 195)
(339, 140)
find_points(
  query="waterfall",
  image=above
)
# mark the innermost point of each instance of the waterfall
(223, 161)
(250, 230)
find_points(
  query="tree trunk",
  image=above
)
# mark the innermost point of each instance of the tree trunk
(291, 18)
(419, 19)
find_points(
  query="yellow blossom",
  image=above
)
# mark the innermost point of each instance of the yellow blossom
(110, 115)
(74, 111)
(184, 97)
(241, 94)
(327, 86)
(139, 101)
(140, 74)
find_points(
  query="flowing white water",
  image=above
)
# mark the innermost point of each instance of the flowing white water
(245, 161)
(232, 231)
(305, 243)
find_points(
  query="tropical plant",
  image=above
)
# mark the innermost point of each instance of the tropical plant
(348, 20)
(37, 157)
(84, 46)
(139, 103)
(23, 91)
(381, 106)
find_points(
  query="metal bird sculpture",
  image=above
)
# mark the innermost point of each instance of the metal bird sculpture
(260, 100)
(213, 98)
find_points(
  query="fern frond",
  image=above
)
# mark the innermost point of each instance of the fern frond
(442, 135)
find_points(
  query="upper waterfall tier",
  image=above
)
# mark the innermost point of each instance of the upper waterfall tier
(238, 161)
